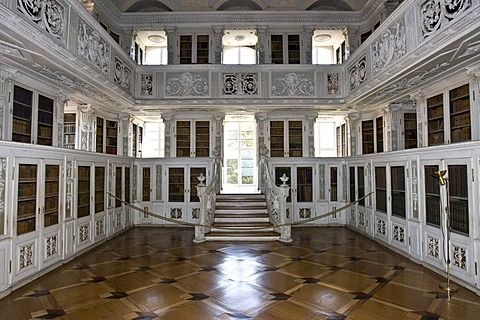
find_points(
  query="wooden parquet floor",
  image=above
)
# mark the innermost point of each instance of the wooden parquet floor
(158, 273)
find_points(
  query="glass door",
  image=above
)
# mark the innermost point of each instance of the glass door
(240, 166)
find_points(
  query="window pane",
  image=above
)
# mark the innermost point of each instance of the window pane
(381, 189)
(458, 188)
(398, 191)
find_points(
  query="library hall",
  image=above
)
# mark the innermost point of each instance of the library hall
(240, 159)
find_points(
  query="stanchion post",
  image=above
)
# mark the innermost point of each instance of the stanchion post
(285, 230)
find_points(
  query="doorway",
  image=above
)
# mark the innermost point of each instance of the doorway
(240, 174)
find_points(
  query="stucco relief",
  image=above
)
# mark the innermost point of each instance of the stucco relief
(436, 14)
(48, 15)
(147, 85)
(187, 84)
(333, 83)
(240, 83)
(292, 84)
(358, 73)
(391, 46)
(123, 74)
(92, 47)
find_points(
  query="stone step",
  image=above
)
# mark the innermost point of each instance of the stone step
(239, 227)
(239, 236)
(243, 211)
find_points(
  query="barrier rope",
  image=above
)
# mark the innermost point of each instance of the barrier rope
(240, 229)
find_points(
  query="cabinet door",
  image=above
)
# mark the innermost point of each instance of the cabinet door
(295, 138)
(176, 193)
(202, 138)
(277, 139)
(26, 255)
(183, 138)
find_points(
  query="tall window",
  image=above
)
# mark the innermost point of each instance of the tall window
(322, 55)
(325, 139)
(381, 189)
(156, 56)
(239, 55)
(398, 191)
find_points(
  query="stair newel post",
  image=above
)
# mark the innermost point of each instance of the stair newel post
(201, 192)
(285, 230)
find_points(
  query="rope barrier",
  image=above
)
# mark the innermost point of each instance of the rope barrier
(240, 229)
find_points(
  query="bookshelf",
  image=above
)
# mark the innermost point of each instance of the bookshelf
(99, 189)
(381, 189)
(127, 184)
(432, 196)
(410, 130)
(118, 186)
(435, 120)
(99, 135)
(69, 130)
(176, 185)
(460, 129)
(183, 138)
(293, 48)
(277, 49)
(83, 191)
(194, 173)
(367, 137)
(22, 115)
(52, 195)
(45, 121)
(352, 183)
(111, 137)
(202, 48)
(379, 133)
(202, 138)
(295, 138)
(277, 136)
(146, 183)
(397, 181)
(186, 46)
(26, 198)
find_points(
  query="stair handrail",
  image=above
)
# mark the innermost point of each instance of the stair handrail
(208, 197)
(276, 198)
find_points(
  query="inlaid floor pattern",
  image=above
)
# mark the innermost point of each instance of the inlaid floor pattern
(158, 273)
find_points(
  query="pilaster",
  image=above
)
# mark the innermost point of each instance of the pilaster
(307, 40)
(6, 77)
(419, 102)
(352, 119)
(217, 44)
(62, 98)
(262, 44)
(124, 119)
(87, 127)
(168, 118)
(392, 126)
(474, 75)
(172, 38)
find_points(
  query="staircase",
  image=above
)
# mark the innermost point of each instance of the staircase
(246, 215)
